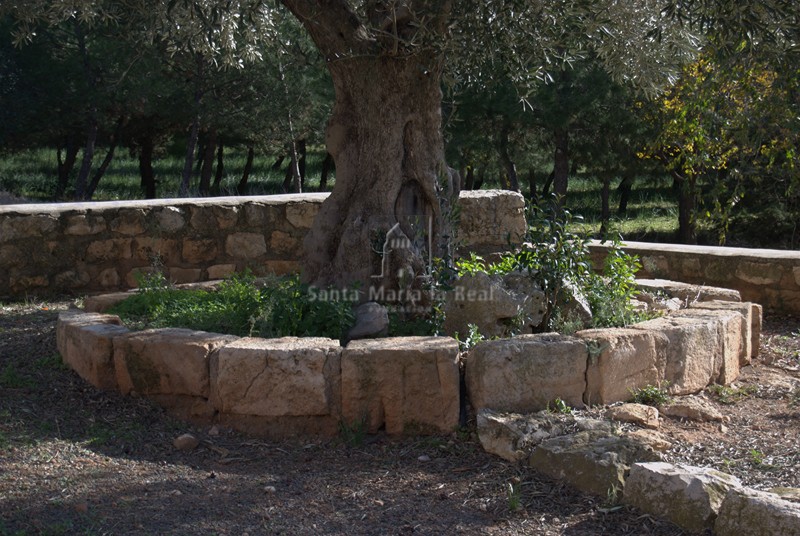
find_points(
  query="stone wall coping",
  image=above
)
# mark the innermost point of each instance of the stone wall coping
(49, 208)
(713, 251)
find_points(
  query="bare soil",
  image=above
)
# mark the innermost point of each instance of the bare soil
(74, 460)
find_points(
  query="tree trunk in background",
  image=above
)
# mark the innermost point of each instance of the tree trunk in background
(327, 164)
(605, 210)
(65, 166)
(88, 156)
(98, 174)
(624, 189)
(533, 195)
(505, 158)
(687, 231)
(146, 173)
(241, 188)
(561, 162)
(191, 143)
(220, 171)
(469, 180)
(209, 150)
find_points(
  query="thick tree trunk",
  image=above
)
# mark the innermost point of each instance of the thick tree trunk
(605, 209)
(88, 156)
(112, 147)
(532, 193)
(383, 219)
(241, 188)
(624, 189)
(561, 162)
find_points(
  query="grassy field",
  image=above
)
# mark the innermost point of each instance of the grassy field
(651, 215)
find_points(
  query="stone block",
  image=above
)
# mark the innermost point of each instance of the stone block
(513, 436)
(749, 512)
(490, 218)
(621, 360)
(730, 337)
(593, 461)
(108, 278)
(279, 267)
(84, 225)
(277, 377)
(280, 242)
(756, 317)
(693, 353)
(129, 222)
(245, 245)
(301, 215)
(526, 373)
(759, 273)
(170, 219)
(103, 302)
(111, 250)
(171, 361)
(745, 309)
(30, 226)
(198, 251)
(184, 275)
(227, 217)
(688, 496)
(408, 384)
(687, 292)
(202, 220)
(156, 250)
(85, 342)
(221, 271)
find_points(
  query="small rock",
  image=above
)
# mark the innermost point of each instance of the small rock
(214, 430)
(372, 320)
(790, 494)
(640, 414)
(723, 428)
(270, 489)
(186, 442)
(424, 458)
(655, 440)
(692, 408)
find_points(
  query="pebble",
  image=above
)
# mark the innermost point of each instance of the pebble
(186, 442)
(424, 458)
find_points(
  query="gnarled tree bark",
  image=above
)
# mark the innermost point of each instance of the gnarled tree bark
(392, 183)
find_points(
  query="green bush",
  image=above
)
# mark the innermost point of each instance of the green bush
(239, 306)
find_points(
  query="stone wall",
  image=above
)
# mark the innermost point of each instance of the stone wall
(765, 276)
(85, 248)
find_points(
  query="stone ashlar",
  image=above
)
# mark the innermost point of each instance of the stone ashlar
(526, 373)
(407, 384)
(749, 512)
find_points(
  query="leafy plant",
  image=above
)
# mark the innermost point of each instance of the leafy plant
(559, 406)
(732, 395)
(474, 336)
(353, 434)
(651, 395)
(514, 495)
(10, 378)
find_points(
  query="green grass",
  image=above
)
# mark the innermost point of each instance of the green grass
(32, 174)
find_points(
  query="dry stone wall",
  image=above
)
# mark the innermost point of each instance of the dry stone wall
(80, 248)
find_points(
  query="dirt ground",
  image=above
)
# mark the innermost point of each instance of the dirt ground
(74, 460)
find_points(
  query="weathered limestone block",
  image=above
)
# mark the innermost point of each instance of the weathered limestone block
(221, 271)
(85, 342)
(281, 242)
(692, 408)
(71, 279)
(757, 318)
(729, 334)
(109, 250)
(162, 250)
(108, 278)
(594, 461)
(85, 224)
(749, 512)
(748, 323)
(245, 245)
(258, 214)
(687, 292)
(688, 496)
(277, 377)
(759, 273)
(227, 217)
(281, 267)
(489, 218)
(492, 303)
(301, 215)
(692, 354)
(15, 227)
(202, 220)
(171, 361)
(103, 302)
(526, 373)
(11, 256)
(406, 383)
(169, 219)
(512, 436)
(129, 222)
(641, 414)
(184, 275)
(198, 251)
(621, 360)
